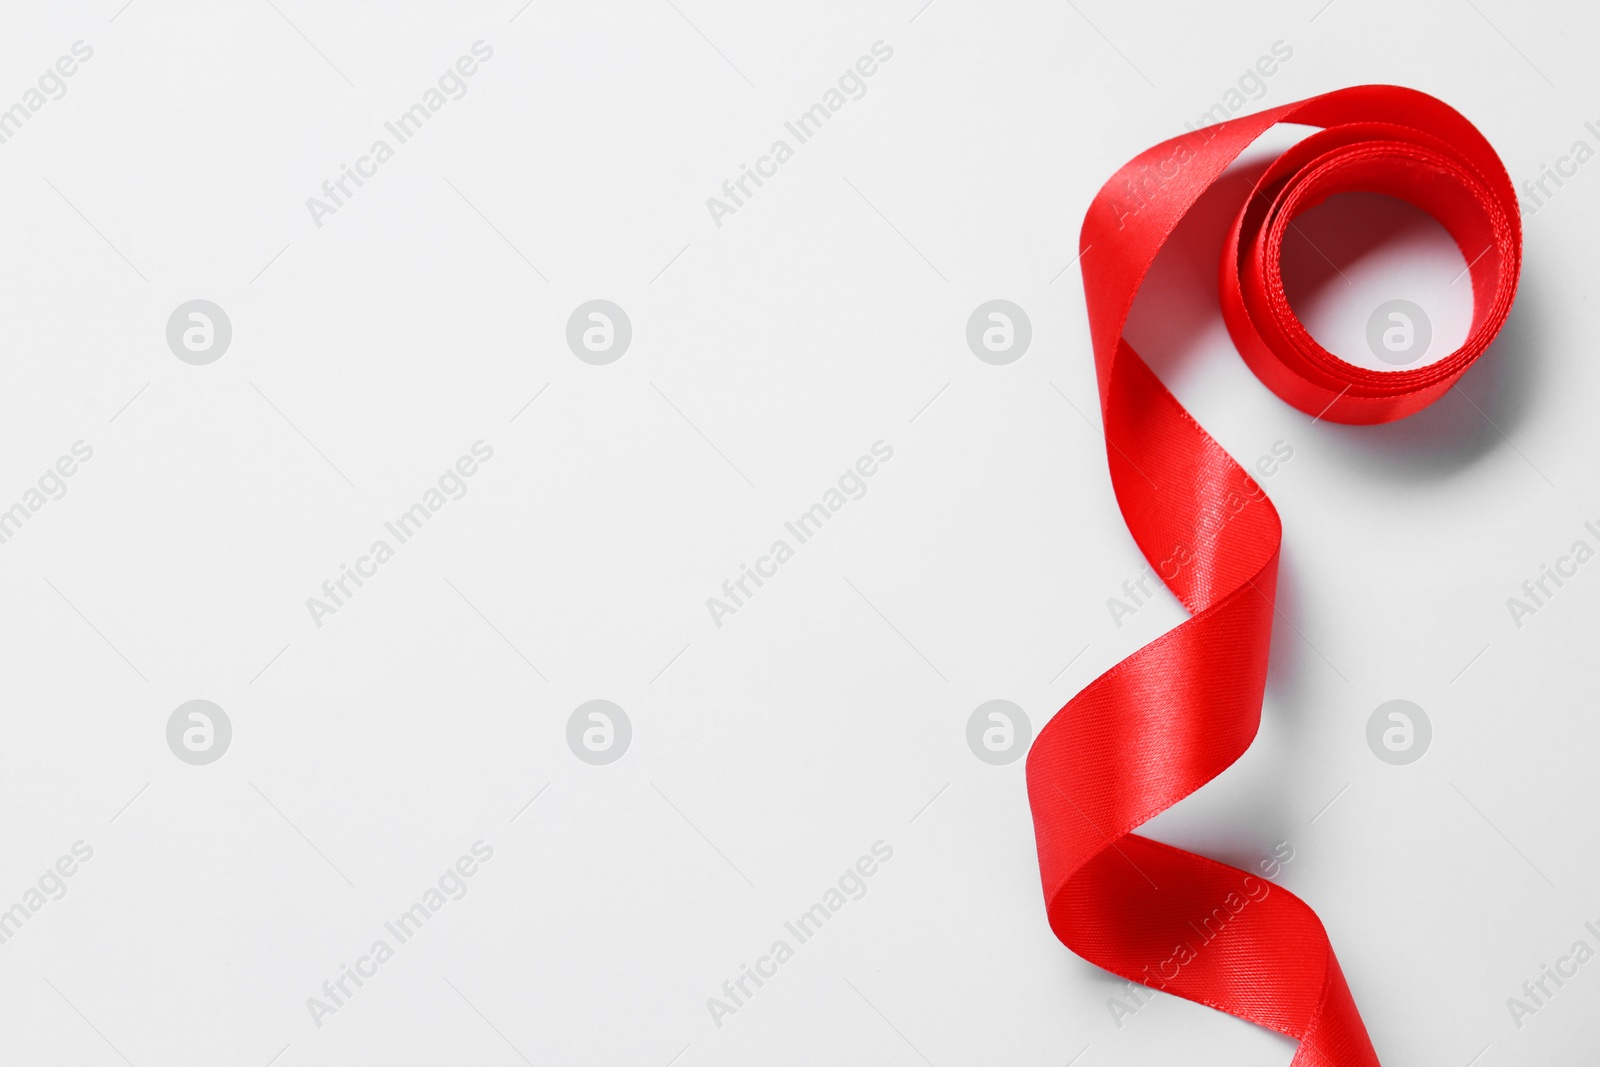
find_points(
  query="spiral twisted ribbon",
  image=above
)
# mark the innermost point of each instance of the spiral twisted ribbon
(1178, 712)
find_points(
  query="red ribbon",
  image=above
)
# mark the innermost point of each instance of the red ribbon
(1178, 712)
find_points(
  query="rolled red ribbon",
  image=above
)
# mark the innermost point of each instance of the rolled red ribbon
(1176, 713)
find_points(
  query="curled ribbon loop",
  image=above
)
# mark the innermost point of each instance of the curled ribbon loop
(1178, 712)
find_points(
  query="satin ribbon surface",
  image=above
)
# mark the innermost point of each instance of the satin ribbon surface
(1178, 712)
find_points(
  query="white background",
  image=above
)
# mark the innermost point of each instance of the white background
(768, 354)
